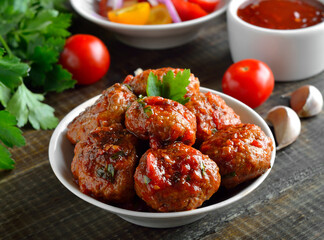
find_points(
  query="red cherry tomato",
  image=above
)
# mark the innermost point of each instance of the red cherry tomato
(208, 5)
(187, 10)
(86, 57)
(250, 81)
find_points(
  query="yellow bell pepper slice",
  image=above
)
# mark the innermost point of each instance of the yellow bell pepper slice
(137, 14)
(159, 14)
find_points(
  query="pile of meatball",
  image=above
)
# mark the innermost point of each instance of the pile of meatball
(172, 156)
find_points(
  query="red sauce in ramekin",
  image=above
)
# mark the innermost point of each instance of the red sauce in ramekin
(282, 14)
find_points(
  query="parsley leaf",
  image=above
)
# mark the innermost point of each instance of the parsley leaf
(171, 87)
(12, 71)
(43, 59)
(44, 70)
(26, 105)
(11, 14)
(11, 136)
(5, 159)
(58, 79)
(154, 85)
(4, 94)
(37, 39)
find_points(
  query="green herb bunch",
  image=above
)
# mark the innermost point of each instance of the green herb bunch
(32, 35)
(171, 87)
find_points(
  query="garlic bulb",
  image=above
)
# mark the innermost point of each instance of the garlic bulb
(307, 101)
(286, 125)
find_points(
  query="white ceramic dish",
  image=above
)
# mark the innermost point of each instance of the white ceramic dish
(148, 36)
(291, 54)
(61, 154)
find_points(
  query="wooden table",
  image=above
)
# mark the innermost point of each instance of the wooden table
(288, 205)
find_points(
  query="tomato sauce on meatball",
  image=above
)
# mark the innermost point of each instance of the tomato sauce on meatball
(108, 109)
(104, 164)
(242, 152)
(176, 178)
(162, 121)
(139, 82)
(212, 113)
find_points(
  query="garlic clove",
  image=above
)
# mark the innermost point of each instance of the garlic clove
(286, 125)
(307, 101)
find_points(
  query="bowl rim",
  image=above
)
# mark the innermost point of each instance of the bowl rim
(95, 17)
(235, 4)
(61, 128)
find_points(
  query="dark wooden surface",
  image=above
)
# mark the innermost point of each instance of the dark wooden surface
(288, 205)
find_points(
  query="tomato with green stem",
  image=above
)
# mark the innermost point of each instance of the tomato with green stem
(250, 81)
(86, 57)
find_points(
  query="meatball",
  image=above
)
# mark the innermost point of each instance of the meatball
(242, 152)
(139, 82)
(176, 178)
(104, 164)
(212, 113)
(108, 109)
(161, 120)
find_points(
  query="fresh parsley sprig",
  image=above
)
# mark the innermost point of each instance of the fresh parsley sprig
(32, 35)
(11, 136)
(171, 87)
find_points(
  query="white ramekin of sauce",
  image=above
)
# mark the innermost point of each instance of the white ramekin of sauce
(288, 35)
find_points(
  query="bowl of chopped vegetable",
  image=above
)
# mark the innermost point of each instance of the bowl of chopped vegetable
(151, 24)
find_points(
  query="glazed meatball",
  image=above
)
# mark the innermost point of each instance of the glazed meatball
(108, 109)
(104, 164)
(176, 178)
(139, 82)
(212, 113)
(161, 120)
(242, 152)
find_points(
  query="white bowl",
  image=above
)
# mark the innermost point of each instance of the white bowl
(61, 155)
(149, 36)
(291, 54)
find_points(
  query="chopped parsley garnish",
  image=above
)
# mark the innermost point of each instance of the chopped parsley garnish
(229, 175)
(129, 87)
(202, 168)
(147, 109)
(107, 172)
(141, 102)
(188, 178)
(147, 180)
(111, 170)
(171, 87)
(214, 130)
(118, 154)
